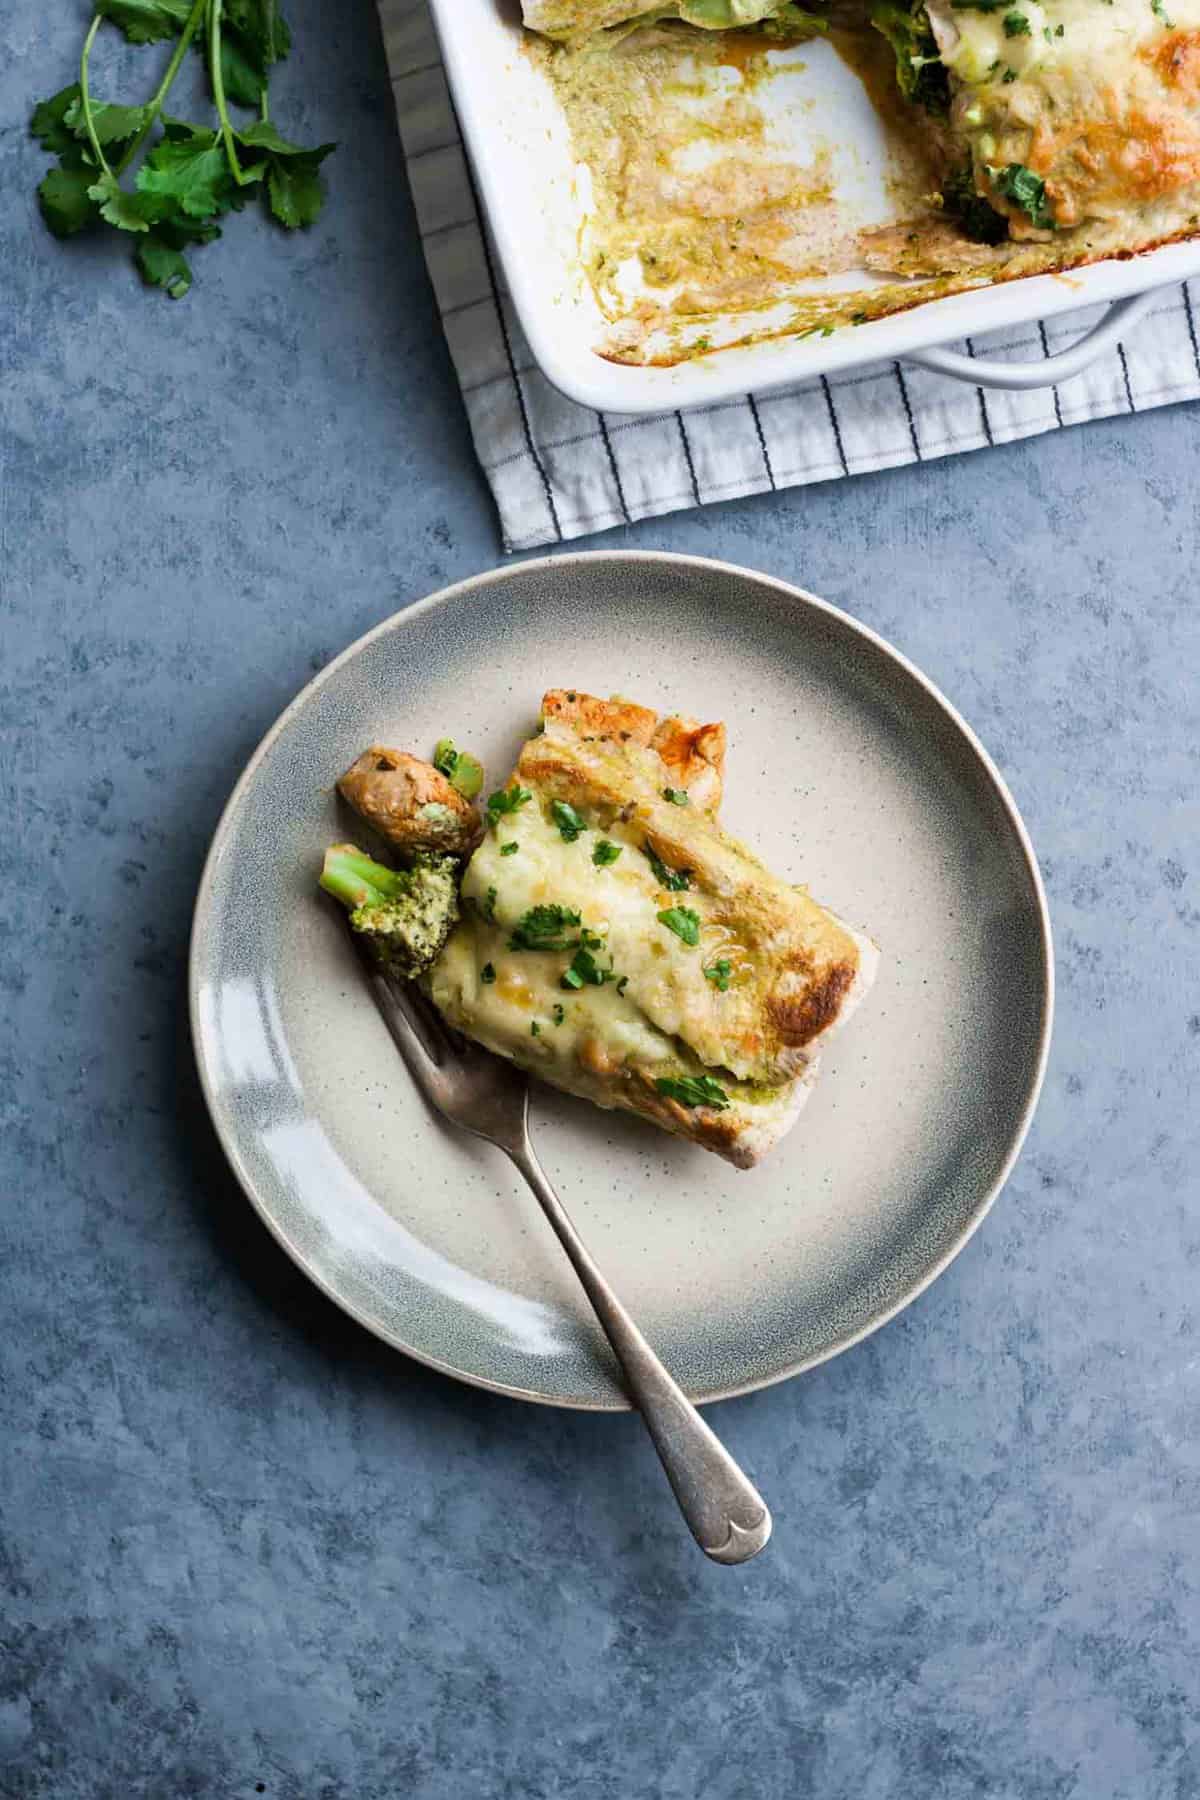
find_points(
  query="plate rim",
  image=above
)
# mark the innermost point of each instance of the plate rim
(799, 598)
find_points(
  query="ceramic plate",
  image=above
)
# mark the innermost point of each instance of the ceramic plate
(847, 771)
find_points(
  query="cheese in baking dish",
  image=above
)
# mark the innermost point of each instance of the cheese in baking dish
(1053, 133)
(617, 942)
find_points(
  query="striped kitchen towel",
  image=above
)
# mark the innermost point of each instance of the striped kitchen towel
(559, 470)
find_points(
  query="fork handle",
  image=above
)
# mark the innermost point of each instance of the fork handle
(725, 1513)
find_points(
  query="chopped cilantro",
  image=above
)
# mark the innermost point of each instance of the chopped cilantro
(535, 1029)
(560, 1012)
(693, 1090)
(1016, 25)
(677, 796)
(605, 853)
(508, 849)
(487, 974)
(674, 880)
(543, 928)
(506, 800)
(570, 823)
(683, 922)
(718, 973)
(1026, 190)
(1009, 75)
(585, 971)
(489, 905)
(1159, 10)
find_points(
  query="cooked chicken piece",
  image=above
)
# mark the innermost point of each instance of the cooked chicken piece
(410, 803)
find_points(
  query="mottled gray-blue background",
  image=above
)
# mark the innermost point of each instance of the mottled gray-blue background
(243, 1548)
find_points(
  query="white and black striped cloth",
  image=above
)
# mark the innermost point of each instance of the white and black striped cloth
(559, 470)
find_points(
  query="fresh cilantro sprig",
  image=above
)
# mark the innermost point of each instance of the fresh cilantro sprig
(192, 174)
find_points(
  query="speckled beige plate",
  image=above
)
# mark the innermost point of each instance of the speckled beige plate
(847, 771)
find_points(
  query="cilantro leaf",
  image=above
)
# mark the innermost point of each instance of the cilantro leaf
(674, 880)
(718, 973)
(693, 1090)
(677, 796)
(261, 28)
(49, 125)
(188, 169)
(1016, 25)
(683, 922)
(543, 928)
(570, 823)
(505, 801)
(585, 971)
(162, 265)
(113, 124)
(128, 212)
(293, 174)
(295, 189)
(1026, 190)
(146, 21)
(605, 853)
(64, 195)
(241, 77)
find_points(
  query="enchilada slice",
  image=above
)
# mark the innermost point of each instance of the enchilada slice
(616, 941)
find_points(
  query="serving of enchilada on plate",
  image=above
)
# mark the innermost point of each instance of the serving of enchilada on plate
(608, 936)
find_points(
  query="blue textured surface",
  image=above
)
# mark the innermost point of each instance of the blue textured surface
(243, 1548)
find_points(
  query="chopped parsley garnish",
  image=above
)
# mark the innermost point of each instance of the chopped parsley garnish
(683, 922)
(677, 796)
(1009, 75)
(718, 973)
(509, 849)
(1016, 25)
(570, 824)
(544, 928)
(489, 905)
(585, 971)
(535, 1029)
(560, 1012)
(693, 1090)
(674, 880)
(506, 800)
(605, 853)
(1026, 190)
(1160, 12)
(487, 974)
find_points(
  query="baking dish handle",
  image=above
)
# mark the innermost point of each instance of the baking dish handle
(982, 371)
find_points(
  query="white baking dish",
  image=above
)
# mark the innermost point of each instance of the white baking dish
(520, 150)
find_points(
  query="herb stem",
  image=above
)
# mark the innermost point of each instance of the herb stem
(191, 26)
(85, 98)
(240, 175)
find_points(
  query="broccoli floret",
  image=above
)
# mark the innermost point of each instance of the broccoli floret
(404, 915)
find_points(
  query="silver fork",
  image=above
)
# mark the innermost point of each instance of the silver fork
(490, 1098)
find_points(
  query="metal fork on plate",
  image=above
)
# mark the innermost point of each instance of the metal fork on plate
(489, 1097)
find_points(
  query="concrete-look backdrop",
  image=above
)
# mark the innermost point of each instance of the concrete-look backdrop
(246, 1550)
